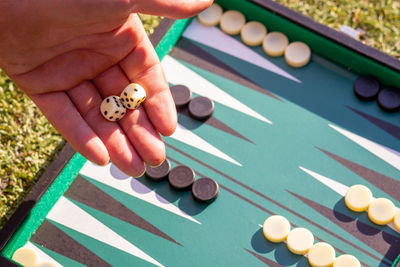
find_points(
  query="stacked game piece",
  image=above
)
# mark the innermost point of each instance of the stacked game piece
(183, 178)
(253, 33)
(275, 43)
(181, 95)
(113, 108)
(205, 190)
(389, 99)
(232, 22)
(28, 257)
(160, 172)
(297, 54)
(200, 108)
(211, 16)
(300, 241)
(368, 88)
(276, 228)
(381, 211)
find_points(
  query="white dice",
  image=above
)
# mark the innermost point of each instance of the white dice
(132, 96)
(112, 109)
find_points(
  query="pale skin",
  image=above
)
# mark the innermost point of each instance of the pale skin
(68, 55)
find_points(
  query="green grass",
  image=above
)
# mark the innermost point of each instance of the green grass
(380, 19)
(29, 142)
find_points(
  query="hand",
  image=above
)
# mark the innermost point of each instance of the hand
(69, 55)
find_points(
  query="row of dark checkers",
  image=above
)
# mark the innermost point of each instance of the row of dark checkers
(183, 177)
(368, 88)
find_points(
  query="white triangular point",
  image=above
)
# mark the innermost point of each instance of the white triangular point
(392, 151)
(188, 137)
(70, 215)
(217, 39)
(378, 150)
(42, 255)
(132, 187)
(339, 188)
(177, 73)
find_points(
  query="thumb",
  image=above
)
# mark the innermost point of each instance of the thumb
(176, 9)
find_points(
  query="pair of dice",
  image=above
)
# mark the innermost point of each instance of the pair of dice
(113, 108)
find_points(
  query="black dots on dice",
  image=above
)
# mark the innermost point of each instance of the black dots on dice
(160, 172)
(181, 95)
(205, 190)
(389, 99)
(112, 109)
(201, 108)
(366, 87)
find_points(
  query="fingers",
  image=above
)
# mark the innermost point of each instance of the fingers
(62, 114)
(80, 59)
(135, 124)
(87, 100)
(177, 9)
(142, 66)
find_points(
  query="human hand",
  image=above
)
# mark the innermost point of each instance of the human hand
(69, 55)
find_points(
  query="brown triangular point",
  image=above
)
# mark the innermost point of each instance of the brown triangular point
(194, 55)
(269, 199)
(216, 123)
(384, 243)
(51, 237)
(83, 191)
(391, 129)
(385, 183)
(264, 260)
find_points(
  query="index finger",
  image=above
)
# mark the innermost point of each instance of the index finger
(143, 66)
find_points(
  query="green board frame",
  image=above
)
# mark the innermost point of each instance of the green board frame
(166, 37)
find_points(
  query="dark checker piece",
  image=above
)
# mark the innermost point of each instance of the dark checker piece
(181, 177)
(201, 108)
(366, 87)
(181, 95)
(205, 190)
(389, 99)
(160, 172)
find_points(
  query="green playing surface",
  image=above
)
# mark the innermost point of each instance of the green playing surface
(281, 141)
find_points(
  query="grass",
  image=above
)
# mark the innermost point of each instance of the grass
(380, 19)
(28, 142)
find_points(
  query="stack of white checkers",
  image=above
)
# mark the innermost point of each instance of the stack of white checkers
(254, 33)
(28, 257)
(381, 211)
(300, 241)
